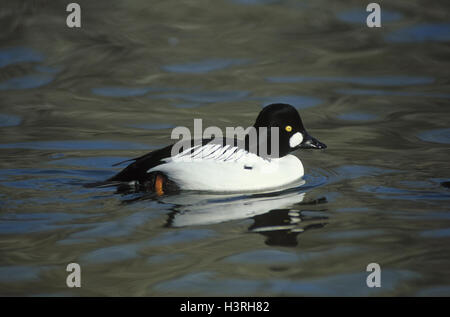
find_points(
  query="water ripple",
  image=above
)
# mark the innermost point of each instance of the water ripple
(357, 116)
(299, 102)
(26, 82)
(436, 136)
(421, 33)
(7, 120)
(345, 284)
(204, 96)
(378, 92)
(120, 91)
(205, 66)
(76, 145)
(379, 80)
(13, 55)
(359, 16)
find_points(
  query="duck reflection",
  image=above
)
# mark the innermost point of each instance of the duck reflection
(282, 226)
(277, 216)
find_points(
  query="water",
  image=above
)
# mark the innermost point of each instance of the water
(76, 101)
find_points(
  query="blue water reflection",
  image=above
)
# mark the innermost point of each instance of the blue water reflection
(21, 273)
(378, 80)
(205, 66)
(153, 126)
(254, 2)
(90, 162)
(436, 136)
(378, 92)
(385, 192)
(299, 102)
(76, 145)
(7, 120)
(357, 116)
(200, 97)
(333, 285)
(37, 222)
(439, 32)
(14, 55)
(26, 82)
(120, 91)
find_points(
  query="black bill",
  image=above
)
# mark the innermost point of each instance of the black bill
(311, 143)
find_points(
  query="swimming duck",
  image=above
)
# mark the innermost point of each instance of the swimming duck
(218, 165)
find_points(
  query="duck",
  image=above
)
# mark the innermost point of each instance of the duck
(261, 161)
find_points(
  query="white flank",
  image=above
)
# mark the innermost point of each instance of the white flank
(213, 167)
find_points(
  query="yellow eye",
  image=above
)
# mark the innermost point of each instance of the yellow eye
(288, 128)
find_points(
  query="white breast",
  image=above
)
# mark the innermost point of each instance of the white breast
(214, 167)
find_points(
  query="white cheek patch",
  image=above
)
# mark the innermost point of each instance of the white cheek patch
(296, 139)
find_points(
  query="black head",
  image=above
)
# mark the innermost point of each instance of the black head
(292, 133)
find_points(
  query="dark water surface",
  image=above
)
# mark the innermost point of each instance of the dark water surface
(75, 101)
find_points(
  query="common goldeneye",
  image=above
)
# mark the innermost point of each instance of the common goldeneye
(219, 165)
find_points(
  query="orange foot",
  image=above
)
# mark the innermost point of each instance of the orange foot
(159, 181)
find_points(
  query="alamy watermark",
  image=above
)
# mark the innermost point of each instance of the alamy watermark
(263, 141)
(374, 278)
(74, 278)
(74, 18)
(374, 18)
